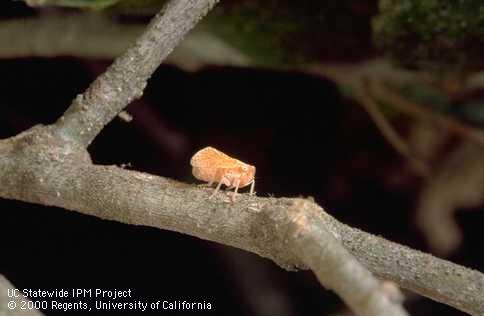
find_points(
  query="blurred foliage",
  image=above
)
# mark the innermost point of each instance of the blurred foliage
(148, 7)
(266, 34)
(90, 4)
(471, 111)
(417, 33)
(285, 33)
(432, 33)
(427, 95)
(280, 33)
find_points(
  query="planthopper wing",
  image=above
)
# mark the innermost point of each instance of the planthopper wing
(210, 157)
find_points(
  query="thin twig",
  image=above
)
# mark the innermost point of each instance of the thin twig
(395, 100)
(389, 133)
(126, 79)
(335, 267)
(358, 82)
(12, 305)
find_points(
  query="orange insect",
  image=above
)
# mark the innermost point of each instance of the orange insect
(212, 166)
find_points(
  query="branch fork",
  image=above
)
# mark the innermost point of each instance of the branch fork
(50, 165)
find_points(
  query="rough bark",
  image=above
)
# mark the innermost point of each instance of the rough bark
(126, 78)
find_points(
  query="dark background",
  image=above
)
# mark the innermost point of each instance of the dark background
(304, 138)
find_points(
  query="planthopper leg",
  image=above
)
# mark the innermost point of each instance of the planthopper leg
(252, 186)
(236, 185)
(216, 190)
(218, 177)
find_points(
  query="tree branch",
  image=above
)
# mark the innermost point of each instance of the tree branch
(35, 167)
(50, 166)
(389, 133)
(393, 99)
(340, 271)
(59, 150)
(376, 74)
(127, 77)
(36, 160)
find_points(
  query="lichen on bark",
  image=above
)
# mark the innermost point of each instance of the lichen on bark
(431, 34)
